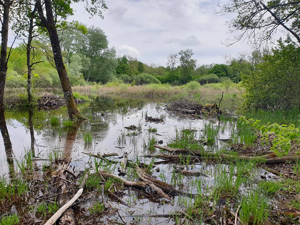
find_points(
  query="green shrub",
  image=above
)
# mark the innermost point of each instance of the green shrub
(68, 123)
(145, 78)
(208, 79)
(125, 78)
(54, 121)
(193, 85)
(79, 96)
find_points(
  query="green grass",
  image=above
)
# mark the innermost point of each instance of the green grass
(93, 181)
(54, 155)
(97, 208)
(270, 187)
(211, 133)
(88, 139)
(153, 130)
(10, 220)
(79, 96)
(254, 208)
(244, 133)
(47, 208)
(275, 116)
(186, 139)
(9, 190)
(227, 182)
(151, 144)
(54, 121)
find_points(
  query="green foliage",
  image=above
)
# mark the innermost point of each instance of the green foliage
(10, 220)
(275, 83)
(281, 136)
(54, 121)
(207, 79)
(98, 208)
(123, 66)
(88, 139)
(125, 78)
(221, 70)
(144, 78)
(270, 187)
(187, 65)
(193, 85)
(254, 208)
(153, 130)
(79, 96)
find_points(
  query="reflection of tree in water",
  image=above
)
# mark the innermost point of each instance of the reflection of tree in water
(7, 144)
(71, 136)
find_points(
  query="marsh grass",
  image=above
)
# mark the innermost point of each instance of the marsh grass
(270, 187)
(54, 121)
(9, 190)
(25, 163)
(54, 155)
(275, 116)
(186, 139)
(97, 208)
(211, 132)
(227, 182)
(151, 144)
(243, 133)
(296, 168)
(152, 130)
(47, 208)
(10, 220)
(87, 137)
(254, 208)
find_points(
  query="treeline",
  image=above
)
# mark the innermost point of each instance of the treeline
(89, 59)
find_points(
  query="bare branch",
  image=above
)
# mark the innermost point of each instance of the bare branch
(11, 47)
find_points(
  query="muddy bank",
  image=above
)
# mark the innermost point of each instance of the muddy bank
(46, 102)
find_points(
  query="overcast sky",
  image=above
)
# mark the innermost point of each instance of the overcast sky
(151, 30)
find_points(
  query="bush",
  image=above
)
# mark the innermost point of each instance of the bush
(193, 85)
(208, 79)
(145, 78)
(125, 78)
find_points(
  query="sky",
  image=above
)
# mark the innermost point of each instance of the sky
(151, 30)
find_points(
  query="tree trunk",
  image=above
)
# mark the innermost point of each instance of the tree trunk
(60, 67)
(3, 69)
(28, 48)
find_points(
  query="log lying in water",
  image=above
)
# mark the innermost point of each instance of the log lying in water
(270, 158)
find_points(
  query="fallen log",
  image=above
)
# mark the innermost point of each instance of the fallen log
(141, 185)
(62, 210)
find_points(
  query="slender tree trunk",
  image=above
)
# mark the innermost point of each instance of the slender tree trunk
(60, 67)
(3, 70)
(29, 66)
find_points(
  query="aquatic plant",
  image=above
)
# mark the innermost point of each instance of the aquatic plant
(54, 121)
(87, 137)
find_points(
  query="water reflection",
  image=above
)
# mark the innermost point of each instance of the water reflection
(7, 145)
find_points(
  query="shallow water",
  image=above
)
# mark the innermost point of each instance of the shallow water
(107, 119)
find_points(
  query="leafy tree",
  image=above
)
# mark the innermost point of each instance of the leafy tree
(63, 9)
(187, 65)
(141, 67)
(261, 19)
(275, 84)
(237, 67)
(103, 61)
(123, 66)
(221, 70)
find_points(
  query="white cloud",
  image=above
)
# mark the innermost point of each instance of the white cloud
(128, 50)
(158, 28)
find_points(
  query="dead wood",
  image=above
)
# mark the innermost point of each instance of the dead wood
(123, 181)
(123, 164)
(101, 156)
(190, 173)
(67, 218)
(120, 200)
(169, 189)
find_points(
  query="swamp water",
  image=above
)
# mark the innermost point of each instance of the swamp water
(103, 133)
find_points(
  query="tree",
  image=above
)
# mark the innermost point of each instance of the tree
(103, 61)
(49, 21)
(5, 15)
(187, 65)
(275, 83)
(261, 19)
(123, 66)
(219, 69)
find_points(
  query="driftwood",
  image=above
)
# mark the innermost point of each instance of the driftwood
(66, 206)
(271, 158)
(141, 185)
(58, 214)
(123, 164)
(101, 156)
(170, 190)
